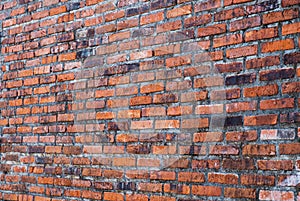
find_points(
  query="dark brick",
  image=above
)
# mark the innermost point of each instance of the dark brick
(82, 44)
(132, 12)
(277, 74)
(240, 79)
(291, 117)
(65, 37)
(263, 6)
(238, 164)
(122, 69)
(72, 171)
(139, 149)
(23, 1)
(292, 58)
(143, 32)
(162, 4)
(231, 67)
(84, 53)
(286, 133)
(116, 126)
(233, 121)
(137, 11)
(91, 33)
(165, 98)
(127, 186)
(43, 160)
(73, 6)
(36, 149)
(181, 35)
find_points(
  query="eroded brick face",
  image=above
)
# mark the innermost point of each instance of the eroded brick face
(163, 100)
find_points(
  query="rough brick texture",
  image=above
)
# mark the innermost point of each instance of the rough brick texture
(161, 100)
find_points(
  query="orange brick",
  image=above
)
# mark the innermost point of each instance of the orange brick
(151, 18)
(67, 56)
(291, 28)
(276, 103)
(175, 12)
(260, 120)
(280, 16)
(58, 10)
(227, 40)
(278, 45)
(267, 90)
(223, 178)
(261, 34)
(206, 190)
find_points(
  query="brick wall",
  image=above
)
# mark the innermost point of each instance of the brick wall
(163, 100)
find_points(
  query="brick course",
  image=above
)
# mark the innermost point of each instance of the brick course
(163, 100)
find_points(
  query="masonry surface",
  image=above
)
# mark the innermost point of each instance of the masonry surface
(138, 100)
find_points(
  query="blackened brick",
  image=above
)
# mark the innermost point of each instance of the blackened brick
(240, 79)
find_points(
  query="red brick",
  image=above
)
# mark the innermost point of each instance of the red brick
(259, 150)
(286, 3)
(240, 193)
(256, 179)
(289, 149)
(229, 14)
(197, 20)
(222, 178)
(141, 100)
(244, 23)
(136, 197)
(137, 125)
(169, 26)
(208, 82)
(162, 198)
(275, 164)
(178, 61)
(129, 114)
(170, 49)
(291, 87)
(236, 136)
(119, 36)
(241, 51)
(278, 195)
(212, 30)
(207, 5)
(153, 111)
(262, 62)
